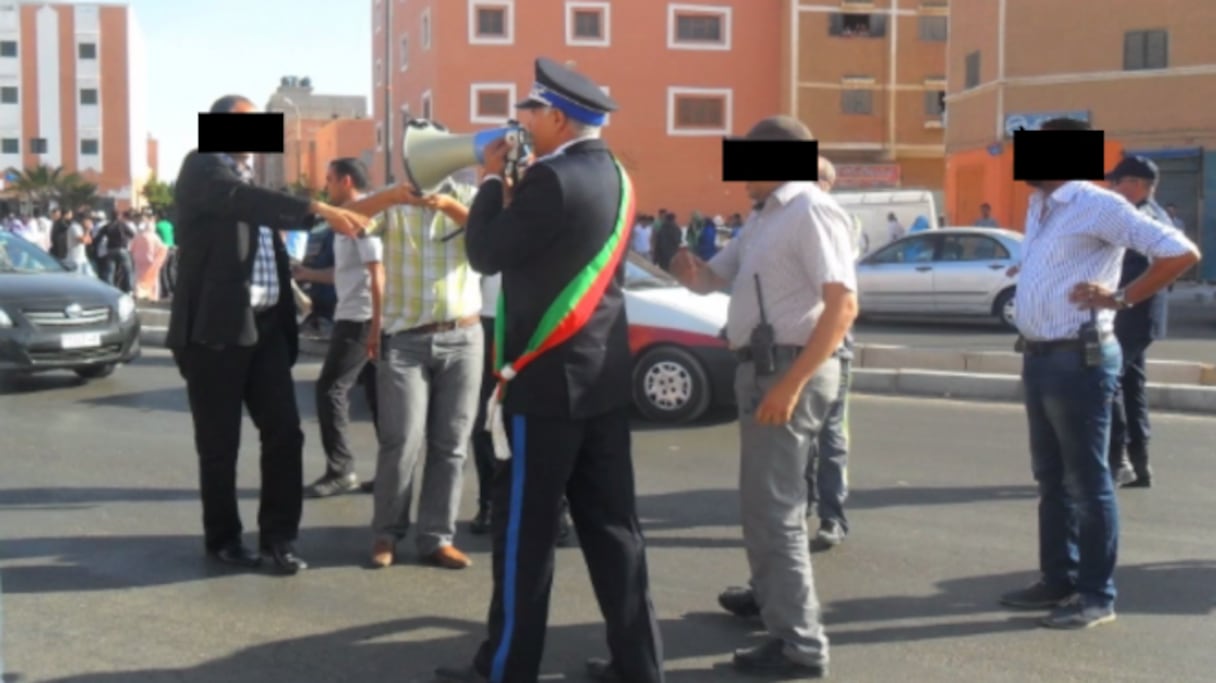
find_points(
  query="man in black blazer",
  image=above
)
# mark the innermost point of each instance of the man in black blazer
(233, 334)
(567, 413)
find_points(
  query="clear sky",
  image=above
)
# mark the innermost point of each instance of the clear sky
(200, 50)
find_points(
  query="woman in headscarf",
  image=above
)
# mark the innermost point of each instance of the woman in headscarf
(148, 252)
(707, 241)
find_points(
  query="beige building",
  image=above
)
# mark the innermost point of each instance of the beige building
(314, 124)
(1143, 72)
(869, 79)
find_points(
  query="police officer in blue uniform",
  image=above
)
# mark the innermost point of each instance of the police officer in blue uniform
(1136, 327)
(567, 412)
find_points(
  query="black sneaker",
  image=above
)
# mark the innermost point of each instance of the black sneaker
(770, 658)
(831, 534)
(1075, 614)
(740, 602)
(481, 523)
(1143, 480)
(330, 485)
(1038, 596)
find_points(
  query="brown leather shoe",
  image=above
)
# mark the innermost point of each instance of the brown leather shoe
(448, 557)
(382, 553)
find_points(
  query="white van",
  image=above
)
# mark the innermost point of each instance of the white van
(872, 207)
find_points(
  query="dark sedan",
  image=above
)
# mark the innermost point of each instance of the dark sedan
(53, 319)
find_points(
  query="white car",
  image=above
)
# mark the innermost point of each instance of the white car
(682, 364)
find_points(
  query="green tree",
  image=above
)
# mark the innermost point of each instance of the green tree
(74, 191)
(158, 194)
(39, 185)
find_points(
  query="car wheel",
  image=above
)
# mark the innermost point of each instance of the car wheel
(96, 371)
(669, 385)
(1003, 309)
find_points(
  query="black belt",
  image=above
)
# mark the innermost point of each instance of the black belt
(1058, 345)
(786, 354)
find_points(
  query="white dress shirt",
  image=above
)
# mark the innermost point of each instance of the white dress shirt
(1081, 238)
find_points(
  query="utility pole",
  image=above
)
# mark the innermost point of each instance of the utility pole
(388, 93)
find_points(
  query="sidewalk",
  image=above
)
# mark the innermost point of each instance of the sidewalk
(1174, 386)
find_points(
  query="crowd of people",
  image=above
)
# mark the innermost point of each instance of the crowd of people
(132, 250)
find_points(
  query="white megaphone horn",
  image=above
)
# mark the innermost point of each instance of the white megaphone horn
(431, 153)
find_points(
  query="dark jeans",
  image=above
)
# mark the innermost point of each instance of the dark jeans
(1129, 427)
(483, 443)
(345, 363)
(118, 269)
(827, 472)
(1068, 409)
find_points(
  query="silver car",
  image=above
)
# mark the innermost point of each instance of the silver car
(946, 272)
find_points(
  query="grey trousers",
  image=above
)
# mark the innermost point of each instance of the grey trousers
(427, 388)
(773, 496)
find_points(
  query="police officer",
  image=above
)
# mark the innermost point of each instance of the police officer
(559, 239)
(1136, 179)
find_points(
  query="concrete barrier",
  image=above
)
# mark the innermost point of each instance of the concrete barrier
(904, 357)
(993, 362)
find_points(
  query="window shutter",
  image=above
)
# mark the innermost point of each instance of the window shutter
(1133, 50)
(1156, 49)
(878, 24)
(836, 25)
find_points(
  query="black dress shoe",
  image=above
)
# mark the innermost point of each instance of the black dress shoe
(565, 532)
(603, 671)
(459, 674)
(740, 602)
(481, 523)
(285, 558)
(237, 555)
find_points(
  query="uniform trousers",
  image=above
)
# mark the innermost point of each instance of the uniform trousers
(589, 462)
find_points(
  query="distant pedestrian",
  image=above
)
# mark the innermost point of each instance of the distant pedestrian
(986, 220)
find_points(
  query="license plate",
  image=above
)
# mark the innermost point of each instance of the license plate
(81, 341)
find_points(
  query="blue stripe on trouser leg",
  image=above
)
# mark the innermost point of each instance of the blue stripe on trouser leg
(511, 561)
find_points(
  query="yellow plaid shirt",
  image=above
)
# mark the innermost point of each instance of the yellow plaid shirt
(427, 280)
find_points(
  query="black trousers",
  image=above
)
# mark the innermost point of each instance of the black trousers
(1129, 425)
(483, 443)
(346, 362)
(218, 382)
(589, 462)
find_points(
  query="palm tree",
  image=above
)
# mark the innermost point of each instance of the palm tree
(39, 185)
(73, 191)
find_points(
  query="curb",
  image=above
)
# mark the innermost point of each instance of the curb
(1174, 398)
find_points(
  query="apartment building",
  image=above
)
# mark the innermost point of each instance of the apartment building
(317, 129)
(1142, 74)
(73, 93)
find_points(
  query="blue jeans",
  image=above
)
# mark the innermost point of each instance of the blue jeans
(1068, 407)
(827, 472)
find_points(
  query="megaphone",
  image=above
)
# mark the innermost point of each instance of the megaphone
(431, 153)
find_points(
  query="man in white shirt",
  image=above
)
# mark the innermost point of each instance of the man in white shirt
(642, 237)
(357, 276)
(895, 229)
(1076, 234)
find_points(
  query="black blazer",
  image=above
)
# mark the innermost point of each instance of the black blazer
(561, 215)
(218, 216)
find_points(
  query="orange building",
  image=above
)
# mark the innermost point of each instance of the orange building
(73, 89)
(317, 129)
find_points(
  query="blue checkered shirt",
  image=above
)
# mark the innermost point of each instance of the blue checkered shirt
(264, 285)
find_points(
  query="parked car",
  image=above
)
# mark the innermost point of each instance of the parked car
(948, 272)
(682, 364)
(54, 319)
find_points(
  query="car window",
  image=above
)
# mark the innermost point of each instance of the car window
(972, 248)
(915, 250)
(641, 273)
(20, 256)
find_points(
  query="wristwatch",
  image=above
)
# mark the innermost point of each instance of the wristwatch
(1120, 299)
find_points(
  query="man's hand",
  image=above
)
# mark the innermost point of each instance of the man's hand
(299, 273)
(1013, 271)
(373, 343)
(686, 267)
(1090, 296)
(779, 403)
(343, 221)
(496, 154)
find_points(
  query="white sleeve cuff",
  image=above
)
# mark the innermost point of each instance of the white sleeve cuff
(491, 177)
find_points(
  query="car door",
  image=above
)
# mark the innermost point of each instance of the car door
(968, 272)
(898, 278)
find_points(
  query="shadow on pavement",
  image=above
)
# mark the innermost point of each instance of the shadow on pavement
(84, 497)
(903, 496)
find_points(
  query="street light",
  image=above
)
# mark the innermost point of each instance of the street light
(299, 137)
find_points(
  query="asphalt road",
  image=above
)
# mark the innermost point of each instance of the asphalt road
(1191, 334)
(100, 556)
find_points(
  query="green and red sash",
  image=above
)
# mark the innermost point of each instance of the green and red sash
(573, 307)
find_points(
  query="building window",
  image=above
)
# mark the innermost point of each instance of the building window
(89, 146)
(88, 96)
(491, 22)
(698, 27)
(38, 146)
(857, 102)
(8, 48)
(1146, 50)
(426, 106)
(973, 70)
(10, 146)
(491, 102)
(857, 25)
(935, 103)
(405, 52)
(699, 111)
(934, 29)
(587, 23)
(86, 51)
(8, 94)
(426, 29)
